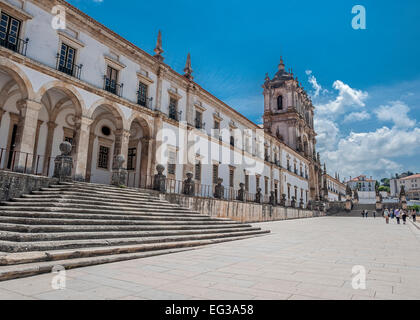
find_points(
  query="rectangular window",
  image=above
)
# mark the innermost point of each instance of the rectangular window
(9, 31)
(142, 94)
(231, 178)
(173, 109)
(131, 160)
(257, 181)
(215, 173)
(172, 163)
(103, 157)
(66, 59)
(198, 120)
(247, 182)
(111, 80)
(198, 171)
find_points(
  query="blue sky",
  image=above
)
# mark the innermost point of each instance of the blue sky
(365, 84)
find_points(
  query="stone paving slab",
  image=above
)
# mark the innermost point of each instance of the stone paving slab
(301, 259)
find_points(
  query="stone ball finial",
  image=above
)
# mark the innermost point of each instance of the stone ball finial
(120, 159)
(219, 180)
(65, 148)
(189, 175)
(160, 168)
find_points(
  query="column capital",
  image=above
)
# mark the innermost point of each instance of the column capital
(28, 104)
(51, 125)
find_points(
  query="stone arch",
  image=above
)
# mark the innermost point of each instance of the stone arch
(19, 76)
(68, 90)
(112, 108)
(141, 175)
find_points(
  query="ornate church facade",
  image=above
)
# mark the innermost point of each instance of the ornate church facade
(87, 85)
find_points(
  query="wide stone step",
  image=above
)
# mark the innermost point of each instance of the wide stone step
(117, 211)
(28, 237)
(53, 220)
(20, 265)
(116, 192)
(9, 246)
(103, 206)
(103, 195)
(138, 217)
(92, 200)
(101, 188)
(24, 228)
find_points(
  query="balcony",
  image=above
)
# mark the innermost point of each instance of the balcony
(144, 102)
(199, 124)
(70, 69)
(13, 43)
(113, 86)
(174, 114)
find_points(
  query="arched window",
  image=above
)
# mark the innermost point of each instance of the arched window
(280, 102)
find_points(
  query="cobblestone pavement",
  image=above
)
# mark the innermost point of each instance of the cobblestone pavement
(301, 259)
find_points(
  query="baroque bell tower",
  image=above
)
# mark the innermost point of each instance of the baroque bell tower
(289, 115)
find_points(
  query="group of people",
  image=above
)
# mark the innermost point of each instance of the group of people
(399, 214)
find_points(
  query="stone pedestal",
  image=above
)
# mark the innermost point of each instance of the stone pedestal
(159, 180)
(283, 200)
(241, 192)
(119, 174)
(293, 203)
(63, 164)
(219, 190)
(273, 200)
(258, 196)
(189, 185)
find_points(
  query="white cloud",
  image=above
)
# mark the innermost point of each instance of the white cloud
(357, 116)
(327, 134)
(347, 97)
(373, 152)
(396, 112)
(315, 85)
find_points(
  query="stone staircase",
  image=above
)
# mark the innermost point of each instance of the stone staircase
(81, 224)
(357, 211)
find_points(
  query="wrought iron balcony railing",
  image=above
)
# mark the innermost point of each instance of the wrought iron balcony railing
(147, 103)
(113, 86)
(71, 69)
(174, 114)
(14, 43)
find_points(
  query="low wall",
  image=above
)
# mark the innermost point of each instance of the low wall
(240, 211)
(14, 185)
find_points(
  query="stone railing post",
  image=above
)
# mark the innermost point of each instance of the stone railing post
(241, 192)
(189, 185)
(258, 195)
(119, 174)
(219, 190)
(63, 164)
(159, 180)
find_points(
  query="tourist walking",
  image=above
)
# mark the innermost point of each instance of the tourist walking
(414, 215)
(366, 213)
(374, 214)
(363, 214)
(392, 213)
(397, 214)
(404, 216)
(386, 215)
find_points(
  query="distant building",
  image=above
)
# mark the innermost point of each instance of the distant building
(362, 183)
(336, 189)
(411, 185)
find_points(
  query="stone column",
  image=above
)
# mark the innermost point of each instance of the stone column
(82, 148)
(190, 109)
(160, 73)
(35, 163)
(156, 143)
(25, 137)
(92, 138)
(1, 114)
(51, 125)
(122, 139)
(145, 163)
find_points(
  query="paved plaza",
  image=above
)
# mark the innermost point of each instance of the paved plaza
(301, 259)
